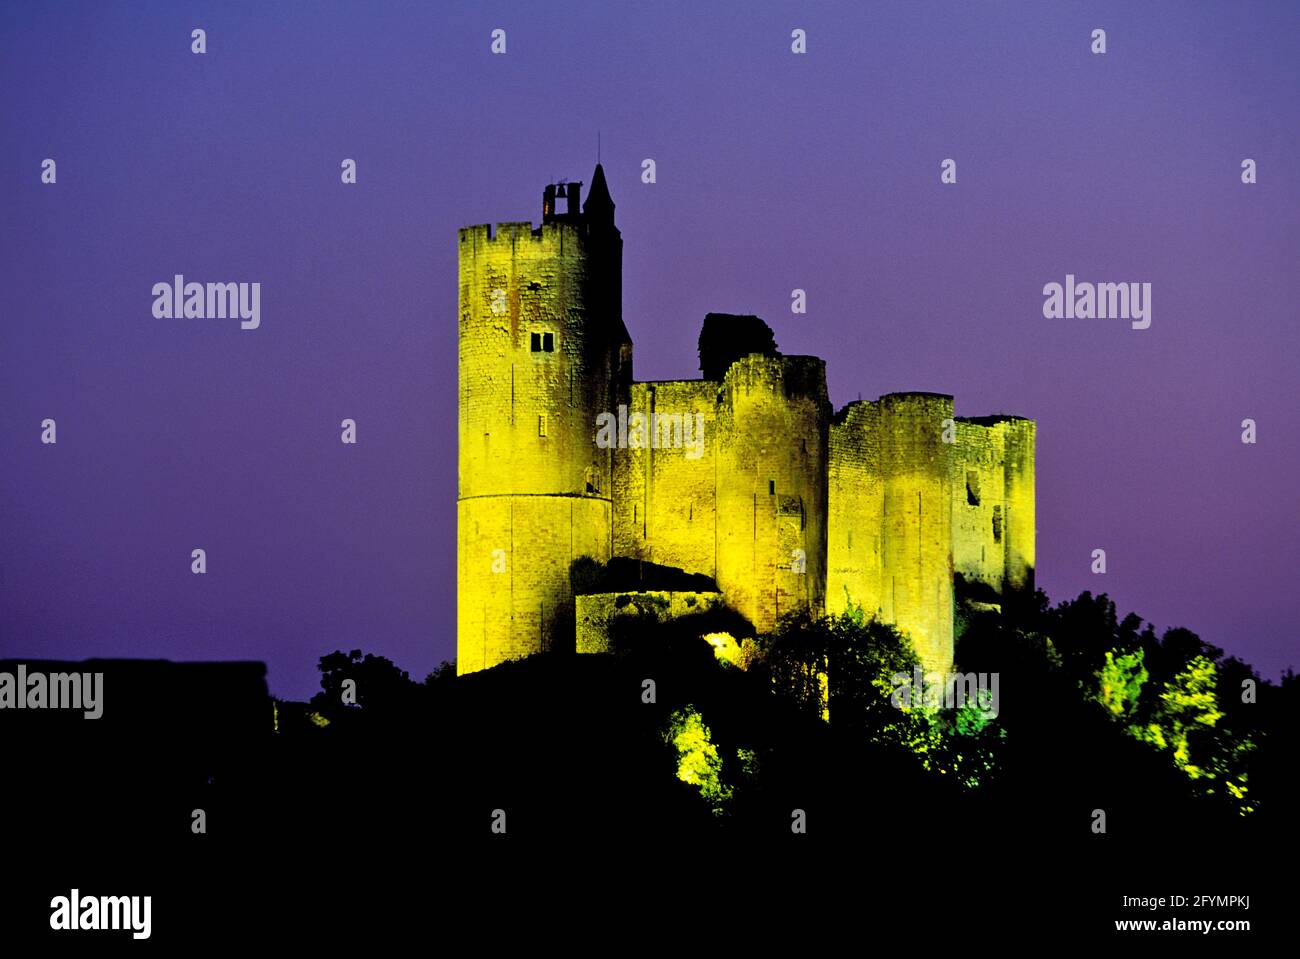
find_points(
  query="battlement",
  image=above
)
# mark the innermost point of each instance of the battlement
(512, 232)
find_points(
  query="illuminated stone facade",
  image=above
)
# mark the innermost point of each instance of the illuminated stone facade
(784, 504)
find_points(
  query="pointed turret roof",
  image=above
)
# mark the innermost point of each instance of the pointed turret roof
(599, 205)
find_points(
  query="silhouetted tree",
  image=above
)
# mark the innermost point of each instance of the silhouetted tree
(443, 675)
(382, 689)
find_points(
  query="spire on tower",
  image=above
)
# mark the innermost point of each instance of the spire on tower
(599, 206)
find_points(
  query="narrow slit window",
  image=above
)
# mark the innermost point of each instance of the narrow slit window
(535, 342)
(997, 524)
(541, 424)
(548, 342)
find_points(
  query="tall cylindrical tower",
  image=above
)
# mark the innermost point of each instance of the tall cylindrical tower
(542, 351)
(916, 530)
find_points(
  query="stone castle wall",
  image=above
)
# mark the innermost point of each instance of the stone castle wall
(667, 505)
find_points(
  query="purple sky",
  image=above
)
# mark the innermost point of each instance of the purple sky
(775, 171)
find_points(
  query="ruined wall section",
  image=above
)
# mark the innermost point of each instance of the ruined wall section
(979, 504)
(597, 613)
(993, 502)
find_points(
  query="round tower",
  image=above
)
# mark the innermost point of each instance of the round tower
(542, 351)
(772, 446)
(916, 529)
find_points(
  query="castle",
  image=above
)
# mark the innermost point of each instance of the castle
(743, 487)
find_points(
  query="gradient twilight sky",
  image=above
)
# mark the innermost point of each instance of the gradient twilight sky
(775, 171)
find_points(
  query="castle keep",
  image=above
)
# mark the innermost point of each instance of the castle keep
(743, 487)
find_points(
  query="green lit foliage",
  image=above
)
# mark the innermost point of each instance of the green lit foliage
(1187, 704)
(973, 744)
(971, 719)
(748, 760)
(1174, 693)
(698, 762)
(1182, 724)
(1226, 775)
(1119, 682)
(961, 744)
(1180, 720)
(844, 667)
